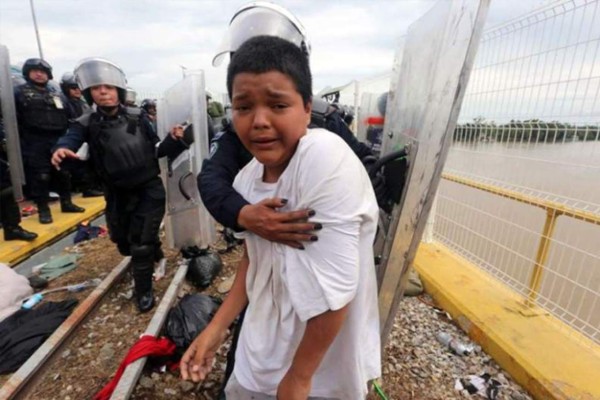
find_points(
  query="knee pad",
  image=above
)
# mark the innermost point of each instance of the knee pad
(44, 177)
(142, 251)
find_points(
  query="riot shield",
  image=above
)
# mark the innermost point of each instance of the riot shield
(187, 222)
(11, 130)
(421, 115)
(370, 122)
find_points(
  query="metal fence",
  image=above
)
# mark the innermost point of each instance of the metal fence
(521, 198)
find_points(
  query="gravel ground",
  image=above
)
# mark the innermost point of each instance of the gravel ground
(415, 364)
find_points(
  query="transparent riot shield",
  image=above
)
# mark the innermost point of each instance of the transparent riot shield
(370, 122)
(11, 131)
(187, 222)
(421, 115)
(368, 105)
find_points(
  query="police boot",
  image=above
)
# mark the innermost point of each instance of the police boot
(92, 193)
(67, 206)
(142, 265)
(18, 233)
(44, 214)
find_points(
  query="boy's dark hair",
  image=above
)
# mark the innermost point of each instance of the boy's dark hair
(262, 54)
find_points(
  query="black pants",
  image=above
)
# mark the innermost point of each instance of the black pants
(83, 176)
(133, 216)
(40, 174)
(10, 215)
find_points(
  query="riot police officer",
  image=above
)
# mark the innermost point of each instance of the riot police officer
(124, 150)
(82, 175)
(10, 215)
(75, 105)
(130, 97)
(42, 120)
(148, 107)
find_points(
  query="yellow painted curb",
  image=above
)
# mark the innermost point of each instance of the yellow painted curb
(14, 251)
(542, 353)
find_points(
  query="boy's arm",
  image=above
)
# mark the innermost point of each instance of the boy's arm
(319, 334)
(198, 360)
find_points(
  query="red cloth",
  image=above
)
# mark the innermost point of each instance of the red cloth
(147, 346)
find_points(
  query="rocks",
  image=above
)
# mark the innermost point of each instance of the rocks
(107, 352)
(225, 286)
(146, 383)
(186, 386)
(414, 362)
(66, 353)
(170, 392)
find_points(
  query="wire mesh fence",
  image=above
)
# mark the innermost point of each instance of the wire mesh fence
(529, 126)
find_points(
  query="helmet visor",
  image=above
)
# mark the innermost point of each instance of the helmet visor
(94, 72)
(253, 22)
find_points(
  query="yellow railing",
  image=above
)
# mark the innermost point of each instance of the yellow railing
(553, 211)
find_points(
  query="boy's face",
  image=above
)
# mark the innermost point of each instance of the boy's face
(269, 117)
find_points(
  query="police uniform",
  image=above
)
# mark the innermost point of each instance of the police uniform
(124, 149)
(42, 119)
(75, 108)
(10, 215)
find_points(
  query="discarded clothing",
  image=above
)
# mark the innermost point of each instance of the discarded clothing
(14, 288)
(58, 266)
(147, 346)
(25, 331)
(188, 318)
(86, 231)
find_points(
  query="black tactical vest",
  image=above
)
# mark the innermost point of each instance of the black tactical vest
(40, 109)
(122, 152)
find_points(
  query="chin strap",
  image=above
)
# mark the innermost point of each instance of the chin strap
(108, 109)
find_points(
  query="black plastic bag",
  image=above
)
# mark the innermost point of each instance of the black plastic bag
(188, 318)
(203, 269)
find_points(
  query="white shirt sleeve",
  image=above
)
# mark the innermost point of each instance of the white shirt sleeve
(333, 182)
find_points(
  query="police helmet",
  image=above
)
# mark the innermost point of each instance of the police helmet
(148, 103)
(68, 82)
(36, 63)
(130, 96)
(95, 71)
(261, 18)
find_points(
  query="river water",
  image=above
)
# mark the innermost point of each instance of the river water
(502, 235)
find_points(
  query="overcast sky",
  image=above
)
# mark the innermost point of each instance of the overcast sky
(151, 39)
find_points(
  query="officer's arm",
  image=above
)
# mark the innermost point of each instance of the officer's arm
(216, 179)
(69, 143)
(176, 141)
(229, 208)
(76, 135)
(170, 147)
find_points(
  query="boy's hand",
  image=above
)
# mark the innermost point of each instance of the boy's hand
(289, 228)
(59, 155)
(199, 358)
(292, 387)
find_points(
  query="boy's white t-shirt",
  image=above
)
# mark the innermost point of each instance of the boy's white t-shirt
(286, 286)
